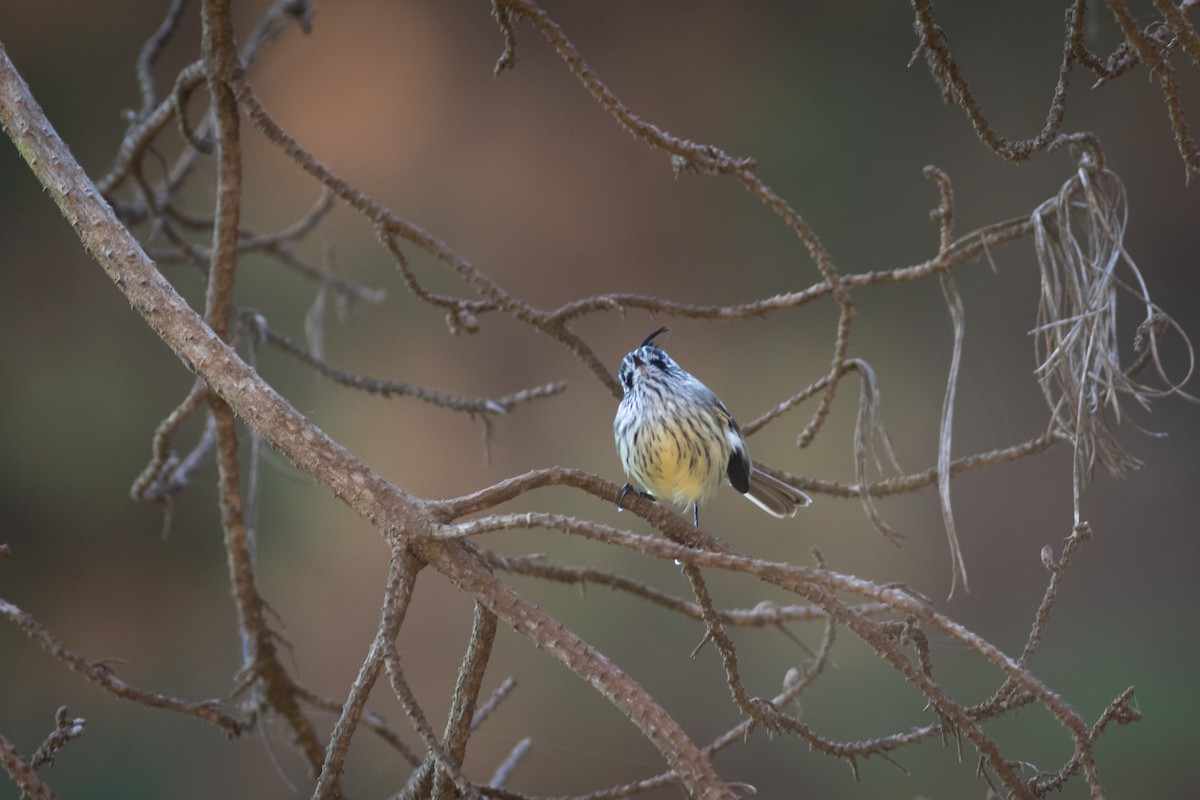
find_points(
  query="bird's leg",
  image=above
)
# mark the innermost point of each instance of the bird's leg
(695, 515)
(629, 487)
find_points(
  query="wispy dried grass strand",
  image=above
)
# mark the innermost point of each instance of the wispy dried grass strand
(1079, 240)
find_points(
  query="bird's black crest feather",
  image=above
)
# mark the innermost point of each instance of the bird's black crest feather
(650, 338)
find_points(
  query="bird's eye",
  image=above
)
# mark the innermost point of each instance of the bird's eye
(627, 379)
(658, 361)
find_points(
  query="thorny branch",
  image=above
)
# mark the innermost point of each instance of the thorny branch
(435, 778)
(263, 675)
(397, 594)
(1150, 45)
(23, 775)
(102, 675)
(386, 388)
(1078, 237)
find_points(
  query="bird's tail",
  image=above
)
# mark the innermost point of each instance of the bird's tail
(772, 495)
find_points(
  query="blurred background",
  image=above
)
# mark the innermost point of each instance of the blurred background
(529, 179)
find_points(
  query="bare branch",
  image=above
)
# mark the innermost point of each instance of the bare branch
(762, 615)
(150, 53)
(471, 405)
(23, 775)
(153, 485)
(508, 765)
(1149, 46)
(436, 749)
(402, 574)
(433, 779)
(508, 58)
(945, 70)
(100, 674)
(369, 719)
(65, 729)
(1148, 53)
(470, 574)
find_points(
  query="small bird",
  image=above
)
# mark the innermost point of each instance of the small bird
(677, 439)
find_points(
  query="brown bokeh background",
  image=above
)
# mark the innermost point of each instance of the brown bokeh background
(529, 179)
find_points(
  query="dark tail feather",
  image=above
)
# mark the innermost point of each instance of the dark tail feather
(772, 495)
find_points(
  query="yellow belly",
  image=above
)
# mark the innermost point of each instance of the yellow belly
(683, 478)
(677, 461)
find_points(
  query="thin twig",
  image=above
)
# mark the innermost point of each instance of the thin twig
(1148, 53)
(65, 729)
(471, 405)
(762, 615)
(505, 768)
(421, 724)
(369, 718)
(152, 485)
(461, 719)
(151, 50)
(946, 72)
(99, 673)
(402, 573)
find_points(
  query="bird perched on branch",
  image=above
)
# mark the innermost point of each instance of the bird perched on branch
(679, 442)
